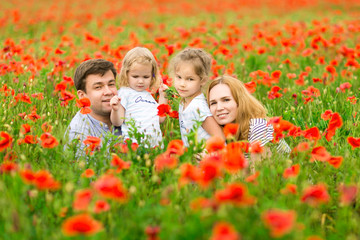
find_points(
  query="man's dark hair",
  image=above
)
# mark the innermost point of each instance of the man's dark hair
(92, 66)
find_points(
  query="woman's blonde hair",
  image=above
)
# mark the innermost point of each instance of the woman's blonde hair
(200, 59)
(248, 106)
(139, 55)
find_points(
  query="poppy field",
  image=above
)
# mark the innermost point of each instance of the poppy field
(301, 59)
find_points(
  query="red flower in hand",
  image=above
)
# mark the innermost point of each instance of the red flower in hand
(163, 110)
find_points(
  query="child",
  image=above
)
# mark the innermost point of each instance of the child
(190, 69)
(138, 74)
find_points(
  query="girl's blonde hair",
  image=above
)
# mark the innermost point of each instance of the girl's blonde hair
(200, 59)
(248, 107)
(139, 55)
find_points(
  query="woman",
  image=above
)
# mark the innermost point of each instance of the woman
(230, 102)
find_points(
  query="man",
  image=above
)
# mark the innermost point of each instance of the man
(94, 79)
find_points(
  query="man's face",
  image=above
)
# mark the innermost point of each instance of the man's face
(99, 90)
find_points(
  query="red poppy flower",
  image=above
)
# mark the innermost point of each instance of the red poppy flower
(335, 123)
(152, 232)
(331, 69)
(292, 171)
(308, 99)
(301, 147)
(123, 147)
(279, 222)
(119, 163)
(214, 144)
(234, 160)
(7, 167)
(25, 128)
(5, 141)
(224, 231)
(89, 37)
(93, 142)
(23, 97)
(82, 224)
(352, 100)
(314, 237)
(61, 86)
(327, 115)
(66, 97)
(59, 51)
(320, 154)
(235, 193)
(88, 173)
(28, 139)
(164, 160)
(189, 173)
(170, 49)
(33, 115)
(354, 142)
(109, 186)
(101, 206)
(201, 203)
(345, 86)
(252, 178)
(347, 194)
(289, 189)
(176, 147)
(276, 74)
(44, 181)
(27, 176)
(46, 127)
(163, 110)
(230, 130)
(315, 195)
(48, 141)
(335, 161)
(174, 114)
(256, 148)
(250, 86)
(84, 104)
(311, 91)
(210, 169)
(10, 156)
(312, 133)
(82, 199)
(280, 125)
(274, 92)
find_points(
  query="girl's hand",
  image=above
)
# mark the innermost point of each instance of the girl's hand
(115, 103)
(162, 89)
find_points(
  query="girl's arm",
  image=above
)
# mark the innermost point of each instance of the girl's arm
(118, 111)
(212, 128)
(162, 98)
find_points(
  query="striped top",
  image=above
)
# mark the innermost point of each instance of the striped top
(259, 130)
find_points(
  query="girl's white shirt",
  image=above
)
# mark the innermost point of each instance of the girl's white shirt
(142, 108)
(197, 111)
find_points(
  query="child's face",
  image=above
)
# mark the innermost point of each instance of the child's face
(139, 76)
(187, 82)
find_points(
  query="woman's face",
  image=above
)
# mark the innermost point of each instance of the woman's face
(222, 104)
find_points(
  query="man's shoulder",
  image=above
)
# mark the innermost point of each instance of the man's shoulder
(79, 121)
(81, 124)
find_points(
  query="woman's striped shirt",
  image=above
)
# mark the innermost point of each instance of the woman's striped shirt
(259, 130)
